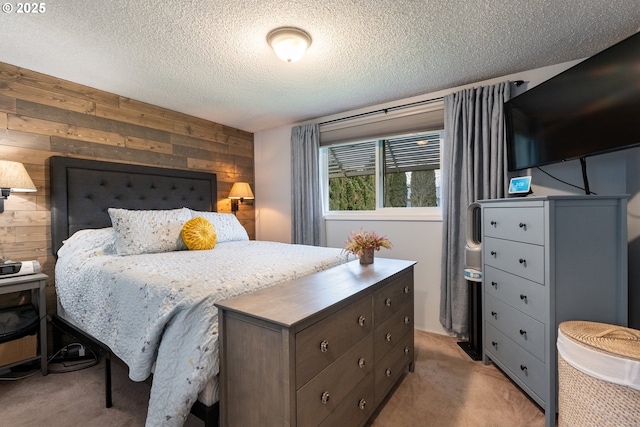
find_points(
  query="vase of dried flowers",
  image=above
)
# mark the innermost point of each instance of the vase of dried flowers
(364, 243)
(367, 256)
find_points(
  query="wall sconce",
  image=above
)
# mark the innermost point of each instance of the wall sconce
(13, 179)
(289, 43)
(239, 192)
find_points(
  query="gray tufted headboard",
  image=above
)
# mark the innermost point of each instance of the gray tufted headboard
(82, 191)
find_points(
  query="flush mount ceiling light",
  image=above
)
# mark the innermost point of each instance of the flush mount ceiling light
(289, 43)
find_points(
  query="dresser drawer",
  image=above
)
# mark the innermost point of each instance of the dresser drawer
(387, 334)
(355, 409)
(390, 298)
(522, 259)
(522, 329)
(527, 296)
(389, 369)
(323, 342)
(334, 383)
(520, 224)
(515, 359)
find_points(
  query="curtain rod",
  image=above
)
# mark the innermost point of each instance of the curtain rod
(383, 110)
(518, 83)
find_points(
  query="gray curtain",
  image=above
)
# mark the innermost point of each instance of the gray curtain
(307, 224)
(475, 168)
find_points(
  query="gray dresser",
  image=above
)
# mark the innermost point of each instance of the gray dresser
(547, 260)
(321, 350)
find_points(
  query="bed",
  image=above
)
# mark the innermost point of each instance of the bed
(139, 295)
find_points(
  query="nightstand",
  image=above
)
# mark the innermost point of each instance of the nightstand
(36, 284)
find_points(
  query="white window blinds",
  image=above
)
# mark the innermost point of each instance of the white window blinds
(380, 124)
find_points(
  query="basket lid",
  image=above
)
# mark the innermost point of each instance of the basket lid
(614, 339)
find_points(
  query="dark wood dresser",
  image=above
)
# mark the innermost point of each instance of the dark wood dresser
(321, 350)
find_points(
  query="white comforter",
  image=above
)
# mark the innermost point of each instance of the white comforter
(160, 307)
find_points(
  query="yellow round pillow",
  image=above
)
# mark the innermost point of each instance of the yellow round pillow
(198, 234)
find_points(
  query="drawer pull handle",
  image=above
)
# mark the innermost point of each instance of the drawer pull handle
(361, 320)
(406, 350)
(361, 362)
(522, 225)
(406, 289)
(523, 368)
(494, 314)
(387, 302)
(325, 397)
(494, 343)
(362, 404)
(522, 261)
(494, 284)
(406, 320)
(494, 253)
(324, 346)
(523, 332)
(388, 372)
(523, 297)
(388, 336)
(494, 223)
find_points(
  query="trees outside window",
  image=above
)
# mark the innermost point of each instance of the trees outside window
(398, 172)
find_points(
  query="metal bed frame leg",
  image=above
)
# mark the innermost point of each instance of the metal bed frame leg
(107, 382)
(209, 414)
(97, 347)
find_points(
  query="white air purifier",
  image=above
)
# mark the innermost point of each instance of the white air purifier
(473, 275)
(473, 247)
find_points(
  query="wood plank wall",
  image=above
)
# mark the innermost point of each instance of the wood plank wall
(42, 116)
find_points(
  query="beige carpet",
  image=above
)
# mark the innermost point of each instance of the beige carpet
(446, 389)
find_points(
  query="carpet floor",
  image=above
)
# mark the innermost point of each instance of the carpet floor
(447, 389)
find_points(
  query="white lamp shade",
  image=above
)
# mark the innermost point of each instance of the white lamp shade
(14, 176)
(289, 43)
(241, 190)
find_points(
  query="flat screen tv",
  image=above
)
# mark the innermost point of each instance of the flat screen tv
(591, 108)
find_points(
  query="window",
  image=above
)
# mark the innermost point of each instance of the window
(385, 160)
(351, 173)
(395, 172)
(411, 170)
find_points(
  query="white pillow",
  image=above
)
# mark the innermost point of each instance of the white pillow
(94, 242)
(227, 226)
(142, 232)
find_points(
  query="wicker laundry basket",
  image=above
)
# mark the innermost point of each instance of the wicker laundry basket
(598, 375)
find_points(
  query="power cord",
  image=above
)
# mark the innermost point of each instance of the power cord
(75, 351)
(564, 182)
(30, 374)
(76, 354)
(70, 350)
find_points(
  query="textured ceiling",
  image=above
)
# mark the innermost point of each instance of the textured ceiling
(210, 59)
